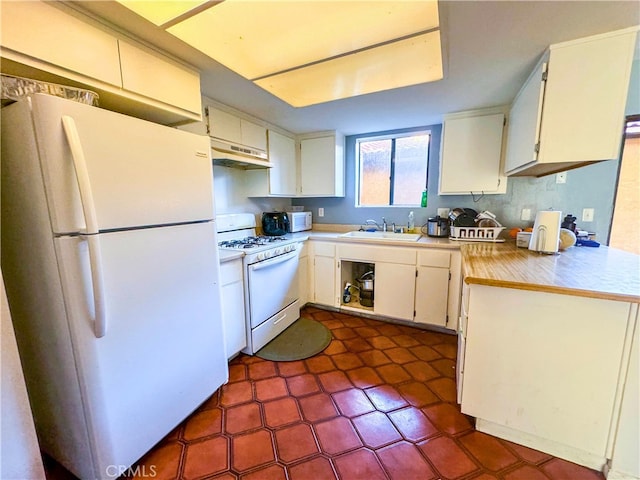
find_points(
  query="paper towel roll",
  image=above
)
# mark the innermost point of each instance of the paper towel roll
(546, 231)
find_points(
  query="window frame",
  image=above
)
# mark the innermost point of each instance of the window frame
(393, 137)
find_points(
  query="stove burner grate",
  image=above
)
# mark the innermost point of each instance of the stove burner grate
(250, 242)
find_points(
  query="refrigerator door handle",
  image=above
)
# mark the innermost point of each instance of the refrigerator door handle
(82, 174)
(97, 280)
(89, 211)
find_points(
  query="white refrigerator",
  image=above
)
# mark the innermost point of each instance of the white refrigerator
(110, 261)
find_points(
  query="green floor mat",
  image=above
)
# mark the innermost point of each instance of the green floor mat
(303, 339)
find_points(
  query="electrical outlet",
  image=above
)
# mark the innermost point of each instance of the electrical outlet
(526, 214)
(561, 177)
(321, 212)
(587, 214)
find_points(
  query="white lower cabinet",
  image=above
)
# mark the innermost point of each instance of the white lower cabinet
(432, 287)
(411, 284)
(323, 262)
(303, 275)
(547, 370)
(625, 463)
(394, 290)
(233, 319)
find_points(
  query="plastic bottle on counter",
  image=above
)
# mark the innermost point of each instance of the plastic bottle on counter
(423, 201)
(411, 225)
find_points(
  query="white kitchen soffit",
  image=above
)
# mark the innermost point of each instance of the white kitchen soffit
(162, 12)
(313, 51)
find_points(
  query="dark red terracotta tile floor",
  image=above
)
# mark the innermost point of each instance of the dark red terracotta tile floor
(378, 403)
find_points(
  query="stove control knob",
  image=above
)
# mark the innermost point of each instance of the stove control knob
(277, 251)
(267, 254)
(260, 257)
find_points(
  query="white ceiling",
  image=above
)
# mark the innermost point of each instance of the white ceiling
(489, 48)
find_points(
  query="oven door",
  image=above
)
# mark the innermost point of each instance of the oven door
(272, 286)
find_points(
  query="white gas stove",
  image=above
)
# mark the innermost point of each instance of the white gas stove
(270, 277)
(237, 232)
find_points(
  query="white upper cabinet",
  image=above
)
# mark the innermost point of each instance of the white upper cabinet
(319, 171)
(570, 112)
(524, 120)
(58, 44)
(146, 73)
(253, 134)
(281, 178)
(50, 35)
(223, 125)
(282, 153)
(322, 165)
(227, 126)
(471, 155)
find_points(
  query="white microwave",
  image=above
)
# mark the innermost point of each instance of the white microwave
(299, 221)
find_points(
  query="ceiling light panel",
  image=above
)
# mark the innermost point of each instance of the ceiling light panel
(258, 38)
(161, 12)
(398, 64)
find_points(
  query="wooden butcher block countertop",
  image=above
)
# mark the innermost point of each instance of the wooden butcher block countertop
(602, 272)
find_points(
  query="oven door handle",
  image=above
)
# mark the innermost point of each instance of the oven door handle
(274, 261)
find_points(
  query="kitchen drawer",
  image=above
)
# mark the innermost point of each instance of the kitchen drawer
(366, 253)
(231, 272)
(434, 258)
(324, 249)
(271, 328)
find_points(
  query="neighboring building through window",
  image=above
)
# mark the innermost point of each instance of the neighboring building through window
(392, 169)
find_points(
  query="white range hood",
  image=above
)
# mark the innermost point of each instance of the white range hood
(234, 155)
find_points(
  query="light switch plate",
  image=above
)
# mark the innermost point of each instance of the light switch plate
(587, 214)
(561, 177)
(526, 214)
(321, 212)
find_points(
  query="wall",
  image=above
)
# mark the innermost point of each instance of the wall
(586, 187)
(230, 191)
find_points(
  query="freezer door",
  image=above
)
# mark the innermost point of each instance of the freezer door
(128, 172)
(163, 351)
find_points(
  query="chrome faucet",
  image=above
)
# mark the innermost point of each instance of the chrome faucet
(384, 225)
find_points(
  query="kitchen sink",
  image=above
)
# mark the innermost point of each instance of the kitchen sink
(403, 237)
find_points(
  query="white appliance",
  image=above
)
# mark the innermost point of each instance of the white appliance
(299, 221)
(546, 232)
(270, 278)
(111, 270)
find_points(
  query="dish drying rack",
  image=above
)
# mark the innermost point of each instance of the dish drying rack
(477, 234)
